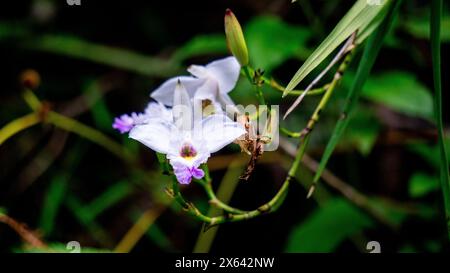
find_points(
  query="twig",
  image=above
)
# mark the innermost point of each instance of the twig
(18, 125)
(348, 45)
(352, 194)
(23, 231)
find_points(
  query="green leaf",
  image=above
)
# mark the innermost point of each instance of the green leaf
(157, 235)
(435, 26)
(400, 91)
(394, 215)
(367, 60)
(420, 27)
(421, 184)
(363, 130)
(52, 203)
(110, 197)
(270, 41)
(430, 153)
(360, 18)
(99, 110)
(201, 45)
(328, 227)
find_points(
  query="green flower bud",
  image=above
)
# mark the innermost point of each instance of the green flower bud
(235, 38)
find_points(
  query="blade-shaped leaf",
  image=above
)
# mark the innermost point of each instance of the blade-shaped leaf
(52, 203)
(367, 60)
(360, 17)
(435, 29)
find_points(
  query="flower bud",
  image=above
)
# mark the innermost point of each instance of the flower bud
(30, 79)
(235, 38)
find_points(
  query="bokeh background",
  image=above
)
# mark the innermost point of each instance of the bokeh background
(101, 59)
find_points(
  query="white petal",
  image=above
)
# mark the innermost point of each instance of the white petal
(227, 103)
(156, 135)
(158, 110)
(219, 131)
(182, 108)
(164, 93)
(208, 91)
(181, 95)
(198, 71)
(226, 72)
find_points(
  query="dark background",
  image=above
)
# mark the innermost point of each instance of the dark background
(159, 29)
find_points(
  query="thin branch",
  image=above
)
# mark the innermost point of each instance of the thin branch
(18, 125)
(348, 45)
(22, 230)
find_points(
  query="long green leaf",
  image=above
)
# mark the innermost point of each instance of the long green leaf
(367, 60)
(435, 29)
(360, 17)
(52, 203)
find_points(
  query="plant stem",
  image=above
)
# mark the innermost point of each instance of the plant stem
(225, 192)
(275, 85)
(347, 47)
(18, 125)
(254, 80)
(368, 59)
(32, 100)
(85, 131)
(213, 200)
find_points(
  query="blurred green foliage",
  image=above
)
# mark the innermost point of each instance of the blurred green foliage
(275, 44)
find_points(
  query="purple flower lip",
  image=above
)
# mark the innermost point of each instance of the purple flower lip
(185, 174)
(124, 123)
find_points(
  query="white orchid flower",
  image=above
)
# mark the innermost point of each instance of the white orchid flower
(187, 141)
(211, 82)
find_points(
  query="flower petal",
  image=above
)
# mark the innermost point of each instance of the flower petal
(182, 110)
(157, 109)
(197, 173)
(219, 131)
(124, 123)
(156, 135)
(207, 91)
(226, 72)
(164, 93)
(182, 173)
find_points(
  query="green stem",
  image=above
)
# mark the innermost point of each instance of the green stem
(224, 192)
(289, 133)
(18, 125)
(278, 87)
(85, 131)
(213, 200)
(254, 80)
(435, 28)
(31, 99)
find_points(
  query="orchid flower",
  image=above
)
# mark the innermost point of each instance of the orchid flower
(186, 141)
(126, 122)
(211, 82)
